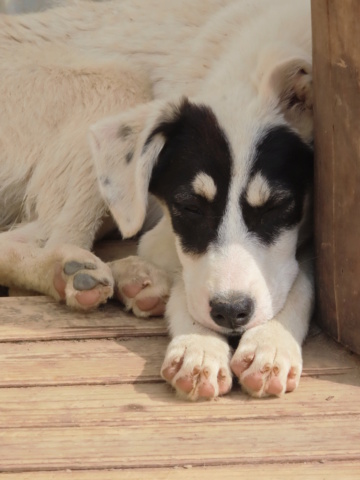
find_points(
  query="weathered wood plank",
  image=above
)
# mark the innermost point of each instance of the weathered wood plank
(295, 471)
(82, 362)
(41, 318)
(133, 359)
(336, 53)
(118, 405)
(322, 356)
(175, 443)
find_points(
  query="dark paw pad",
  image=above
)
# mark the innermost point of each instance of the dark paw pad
(72, 267)
(83, 281)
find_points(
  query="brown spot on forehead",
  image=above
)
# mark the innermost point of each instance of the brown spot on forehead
(204, 186)
(258, 191)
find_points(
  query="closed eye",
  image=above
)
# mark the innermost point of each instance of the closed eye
(284, 204)
(190, 209)
(193, 209)
(271, 217)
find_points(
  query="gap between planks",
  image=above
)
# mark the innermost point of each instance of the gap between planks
(296, 471)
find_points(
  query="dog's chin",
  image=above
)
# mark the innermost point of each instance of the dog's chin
(235, 333)
(226, 332)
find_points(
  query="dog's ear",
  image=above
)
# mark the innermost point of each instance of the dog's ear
(288, 78)
(125, 149)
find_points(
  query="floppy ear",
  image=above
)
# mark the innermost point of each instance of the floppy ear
(288, 77)
(125, 149)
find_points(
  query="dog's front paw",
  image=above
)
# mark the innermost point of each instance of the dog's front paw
(81, 279)
(197, 366)
(268, 361)
(142, 287)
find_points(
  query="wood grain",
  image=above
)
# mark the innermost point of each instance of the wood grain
(173, 443)
(295, 471)
(131, 404)
(336, 54)
(96, 409)
(41, 318)
(133, 359)
(81, 362)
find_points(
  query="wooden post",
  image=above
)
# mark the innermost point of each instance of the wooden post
(336, 57)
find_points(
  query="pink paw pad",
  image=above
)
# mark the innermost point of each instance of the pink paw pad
(133, 289)
(88, 298)
(169, 373)
(151, 303)
(224, 382)
(206, 390)
(291, 383)
(274, 387)
(184, 384)
(253, 381)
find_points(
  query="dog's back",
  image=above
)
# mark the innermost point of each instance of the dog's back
(50, 96)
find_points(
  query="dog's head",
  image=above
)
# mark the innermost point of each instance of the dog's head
(234, 176)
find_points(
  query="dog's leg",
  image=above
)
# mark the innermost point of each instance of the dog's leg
(268, 360)
(197, 361)
(67, 273)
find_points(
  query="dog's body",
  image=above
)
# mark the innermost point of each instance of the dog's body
(224, 146)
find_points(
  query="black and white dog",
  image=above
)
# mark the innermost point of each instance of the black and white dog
(226, 148)
(231, 163)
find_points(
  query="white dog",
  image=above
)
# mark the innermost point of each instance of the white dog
(225, 146)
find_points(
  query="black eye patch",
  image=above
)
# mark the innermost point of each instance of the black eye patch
(195, 143)
(268, 220)
(286, 164)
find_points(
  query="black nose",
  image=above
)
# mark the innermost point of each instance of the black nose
(232, 311)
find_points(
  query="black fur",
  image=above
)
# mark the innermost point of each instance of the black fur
(194, 143)
(287, 164)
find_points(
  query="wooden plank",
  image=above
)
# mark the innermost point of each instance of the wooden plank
(174, 443)
(115, 361)
(118, 405)
(41, 318)
(133, 359)
(336, 53)
(82, 362)
(295, 471)
(324, 357)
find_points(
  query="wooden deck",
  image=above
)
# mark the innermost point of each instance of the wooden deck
(81, 399)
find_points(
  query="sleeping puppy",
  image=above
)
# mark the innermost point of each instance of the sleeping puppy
(225, 147)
